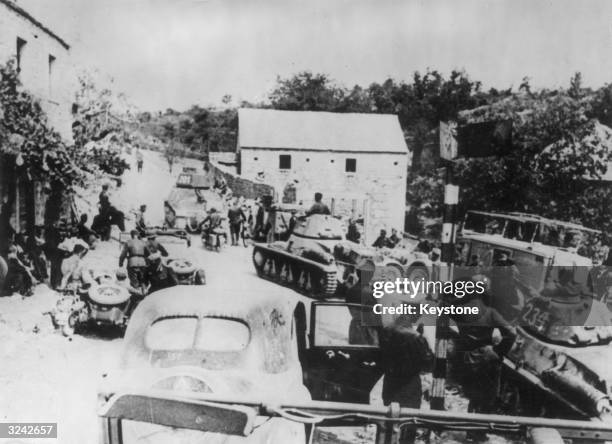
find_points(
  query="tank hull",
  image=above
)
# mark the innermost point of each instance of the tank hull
(305, 275)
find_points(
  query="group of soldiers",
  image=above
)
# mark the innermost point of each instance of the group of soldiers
(145, 266)
(475, 361)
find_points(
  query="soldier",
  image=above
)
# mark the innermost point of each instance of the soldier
(318, 207)
(212, 224)
(353, 233)
(141, 225)
(139, 160)
(153, 245)
(135, 251)
(404, 354)
(236, 218)
(393, 239)
(504, 286)
(381, 241)
(104, 200)
(259, 230)
(483, 341)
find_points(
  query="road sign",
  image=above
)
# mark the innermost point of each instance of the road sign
(448, 140)
(483, 139)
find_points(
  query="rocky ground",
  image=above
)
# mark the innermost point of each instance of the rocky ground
(49, 378)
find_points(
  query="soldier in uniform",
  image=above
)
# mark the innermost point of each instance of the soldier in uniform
(483, 341)
(104, 200)
(135, 251)
(318, 207)
(404, 354)
(153, 245)
(141, 225)
(381, 241)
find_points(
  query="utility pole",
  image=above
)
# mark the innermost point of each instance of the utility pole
(449, 231)
(484, 139)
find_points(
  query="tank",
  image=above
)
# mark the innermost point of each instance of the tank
(562, 351)
(305, 261)
(190, 199)
(317, 260)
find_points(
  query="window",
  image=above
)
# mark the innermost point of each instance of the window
(51, 73)
(284, 162)
(351, 165)
(207, 334)
(345, 325)
(21, 43)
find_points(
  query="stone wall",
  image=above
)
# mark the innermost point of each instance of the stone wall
(241, 186)
(52, 82)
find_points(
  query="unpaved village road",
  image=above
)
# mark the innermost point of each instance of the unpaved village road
(48, 378)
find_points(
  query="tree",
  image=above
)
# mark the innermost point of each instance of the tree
(306, 91)
(575, 89)
(101, 127)
(556, 154)
(31, 149)
(422, 104)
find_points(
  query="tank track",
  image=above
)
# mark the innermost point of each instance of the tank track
(303, 275)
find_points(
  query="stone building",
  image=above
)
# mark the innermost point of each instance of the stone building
(358, 161)
(42, 59)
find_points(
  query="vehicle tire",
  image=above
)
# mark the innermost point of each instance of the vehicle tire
(200, 277)
(417, 272)
(191, 226)
(259, 261)
(69, 327)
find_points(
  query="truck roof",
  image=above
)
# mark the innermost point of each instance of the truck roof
(526, 217)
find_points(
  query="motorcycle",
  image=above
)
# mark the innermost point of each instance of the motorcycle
(214, 240)
(103, 303)
(186, 272)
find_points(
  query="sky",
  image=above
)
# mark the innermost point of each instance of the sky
(177, 53)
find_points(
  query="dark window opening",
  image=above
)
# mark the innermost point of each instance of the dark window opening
(284, 161)
(351, 165)
(20, 48)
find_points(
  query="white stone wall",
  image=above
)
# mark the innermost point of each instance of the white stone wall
(378, 187)
(56, 90)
